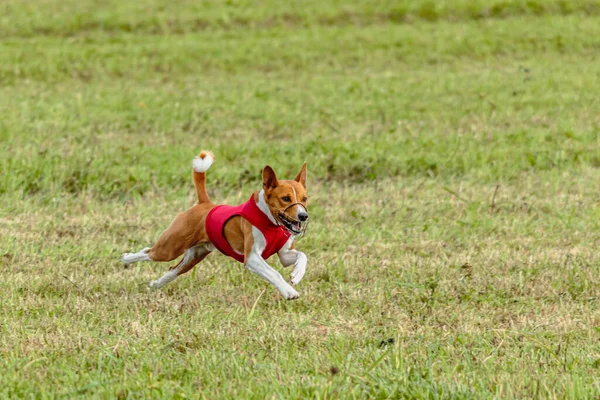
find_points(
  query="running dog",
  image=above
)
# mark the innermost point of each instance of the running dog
(250, 233)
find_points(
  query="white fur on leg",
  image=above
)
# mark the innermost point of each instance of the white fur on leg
(142, 255)
(190, 254)
(287, 256)
(293, 257)
(171, 274)
(299, 268)
(209, 247)
(168, 277)
(259, 266)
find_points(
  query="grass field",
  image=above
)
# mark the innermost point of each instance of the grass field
(453, 151)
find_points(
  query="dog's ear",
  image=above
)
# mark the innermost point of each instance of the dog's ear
(269, 178)
(301, 177)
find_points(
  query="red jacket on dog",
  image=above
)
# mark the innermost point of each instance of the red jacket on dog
(276, 236)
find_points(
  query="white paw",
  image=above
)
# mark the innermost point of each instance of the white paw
(299, 269)
(155, 285)
(290, 294)
(125, 258)
(297, 275)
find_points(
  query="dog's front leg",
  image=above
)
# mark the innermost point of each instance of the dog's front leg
(299, 267)
(256, 264)
(289, 256)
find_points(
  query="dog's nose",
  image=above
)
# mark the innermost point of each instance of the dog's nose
(302, 216)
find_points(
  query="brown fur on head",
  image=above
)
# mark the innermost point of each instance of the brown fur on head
(280, 195)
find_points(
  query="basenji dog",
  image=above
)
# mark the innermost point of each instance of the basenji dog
(264, 225)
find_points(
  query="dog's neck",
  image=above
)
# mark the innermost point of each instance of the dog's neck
(264, 207)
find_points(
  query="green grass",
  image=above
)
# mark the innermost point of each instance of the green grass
(454, 158)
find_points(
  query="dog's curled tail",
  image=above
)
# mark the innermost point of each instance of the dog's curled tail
(200, 164)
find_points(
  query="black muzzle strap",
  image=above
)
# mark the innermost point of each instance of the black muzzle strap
(286, 221)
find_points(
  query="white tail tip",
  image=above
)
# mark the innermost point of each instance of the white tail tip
(203, 161)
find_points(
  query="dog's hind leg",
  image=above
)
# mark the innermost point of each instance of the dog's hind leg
(130, 258)
(191, 257)
(159, 252)
(179, 236)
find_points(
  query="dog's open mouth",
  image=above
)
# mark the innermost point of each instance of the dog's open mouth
(294, 226)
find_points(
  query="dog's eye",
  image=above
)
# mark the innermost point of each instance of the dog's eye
(304, 199)
(286, 199)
